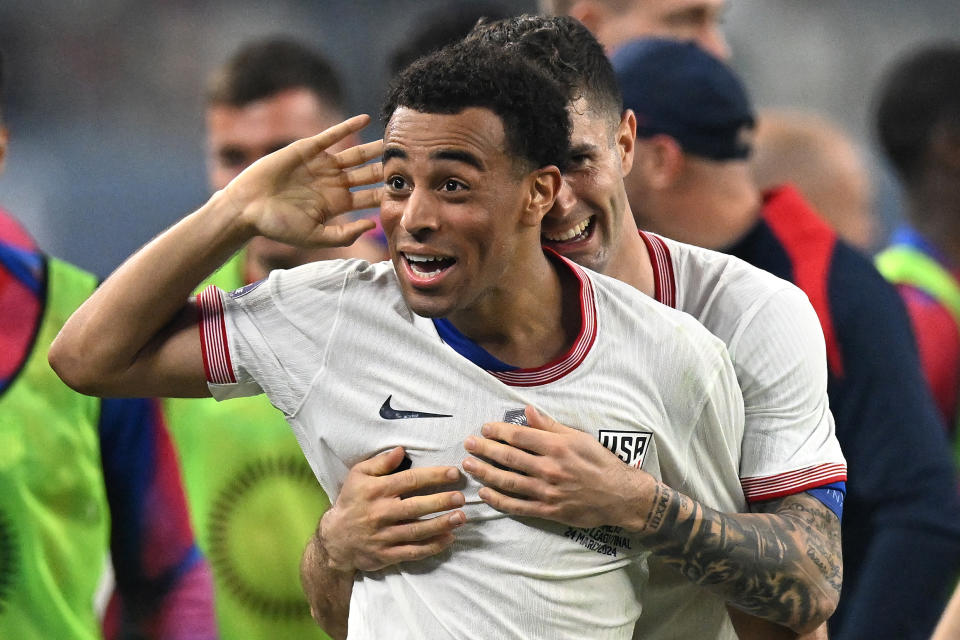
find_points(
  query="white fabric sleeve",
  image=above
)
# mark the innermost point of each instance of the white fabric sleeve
(789, 441)
(272, 337)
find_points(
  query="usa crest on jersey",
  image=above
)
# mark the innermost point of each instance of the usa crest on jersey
(629, 446)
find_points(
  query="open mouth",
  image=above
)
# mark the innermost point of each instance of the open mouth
(576, 233)
(427, 267)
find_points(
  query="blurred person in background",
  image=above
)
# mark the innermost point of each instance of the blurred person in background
(822, 162)
(616, 22)
(918, 126)
(443, 25)
(253, 498)
(901, 524)
(592, 224)
(83, 480)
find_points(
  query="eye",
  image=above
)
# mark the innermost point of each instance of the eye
(451, 186)
(397, 183)
(232, 158)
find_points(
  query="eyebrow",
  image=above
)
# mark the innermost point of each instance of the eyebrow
(393, 152)
(455, 155)
(458, 156)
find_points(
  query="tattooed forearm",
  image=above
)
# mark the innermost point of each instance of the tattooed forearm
(783, 564)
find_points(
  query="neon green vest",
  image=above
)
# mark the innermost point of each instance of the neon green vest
(54, 516)
(905, 265)
(254, 503)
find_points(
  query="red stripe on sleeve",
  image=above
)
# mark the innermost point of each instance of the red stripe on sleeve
(213, 338)
(758, 489)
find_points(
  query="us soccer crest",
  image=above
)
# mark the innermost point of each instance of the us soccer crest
(515, 416)
(630, 446)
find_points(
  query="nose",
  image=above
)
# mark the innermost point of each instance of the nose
(419, 216)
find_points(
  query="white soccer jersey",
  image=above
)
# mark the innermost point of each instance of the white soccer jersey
(334, 347)
(776, 344)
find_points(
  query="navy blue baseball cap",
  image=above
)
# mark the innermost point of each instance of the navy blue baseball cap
(678, 89)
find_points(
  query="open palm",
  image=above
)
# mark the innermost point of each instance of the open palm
(291, 194)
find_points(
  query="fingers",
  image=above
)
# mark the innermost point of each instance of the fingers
(507, 504)
(367, 174)
(366, 199)
(340, 235)
(520, 437)
(503, 479)
(408, 519)
(412, 552)
(355, 156)
(422, 478)
(543, 422)
(323, 140)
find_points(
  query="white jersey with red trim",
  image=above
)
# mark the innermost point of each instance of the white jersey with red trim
(335, 347)
(776, 344)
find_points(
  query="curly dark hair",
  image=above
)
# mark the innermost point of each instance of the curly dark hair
(531, 106)
(264, 68)
(920, 93)
(565, 50)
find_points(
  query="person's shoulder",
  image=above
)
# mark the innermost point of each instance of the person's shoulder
(351, 272)
(622, 304)
(702, 271)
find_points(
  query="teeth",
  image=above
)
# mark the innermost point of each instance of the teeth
(569, 234)
(413, 257)
(426, 264)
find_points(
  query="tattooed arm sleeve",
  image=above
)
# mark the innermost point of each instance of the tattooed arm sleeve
(782, 565)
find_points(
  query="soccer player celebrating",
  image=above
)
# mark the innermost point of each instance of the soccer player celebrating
(470, 323)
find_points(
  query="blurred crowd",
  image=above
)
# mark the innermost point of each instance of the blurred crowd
(120, 116)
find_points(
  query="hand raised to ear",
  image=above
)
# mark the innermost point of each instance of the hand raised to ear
(290, 194)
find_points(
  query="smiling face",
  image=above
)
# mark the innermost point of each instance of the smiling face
(461, 215)
(590, 217)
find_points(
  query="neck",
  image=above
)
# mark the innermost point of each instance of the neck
(722, 204)
(631, 262)
(529, 321)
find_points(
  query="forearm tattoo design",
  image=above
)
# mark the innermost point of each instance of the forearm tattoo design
(782, 564)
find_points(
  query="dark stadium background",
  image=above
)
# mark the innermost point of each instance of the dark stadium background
(104, 103)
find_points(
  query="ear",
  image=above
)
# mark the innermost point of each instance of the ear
(591, 13)
(626, 140)
(544, 187)
(662, 160)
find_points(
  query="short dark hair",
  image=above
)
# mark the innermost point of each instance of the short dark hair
(531, 105)
(919, 93)
(566, 51)
(441, 26)
(264, 68)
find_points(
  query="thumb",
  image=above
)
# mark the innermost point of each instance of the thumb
(382, 464)
(342, 235)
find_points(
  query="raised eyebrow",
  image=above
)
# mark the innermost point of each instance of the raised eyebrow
(458, 156)
(393, 152)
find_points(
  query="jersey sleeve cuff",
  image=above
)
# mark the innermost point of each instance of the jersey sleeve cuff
(213, 338)
(758, 489)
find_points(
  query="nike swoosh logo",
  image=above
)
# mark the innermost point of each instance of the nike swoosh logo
(389, 413)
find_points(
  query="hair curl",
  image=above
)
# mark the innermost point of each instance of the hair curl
(531, 106)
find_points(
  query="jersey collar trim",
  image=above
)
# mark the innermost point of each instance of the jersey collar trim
(664, 282)
(569, 361)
